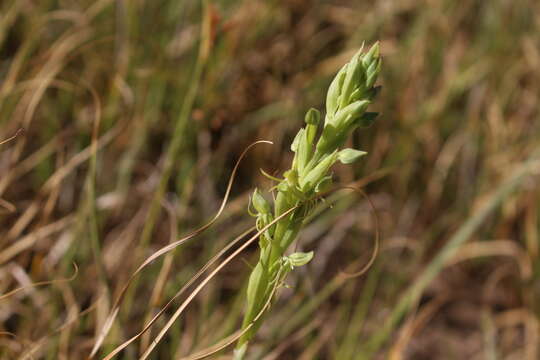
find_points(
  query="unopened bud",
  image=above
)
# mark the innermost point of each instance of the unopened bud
(259, 203)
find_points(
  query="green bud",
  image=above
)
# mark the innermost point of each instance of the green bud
(372, 67)
(309, 181)
(332, 97)
(373, 72)
(313, 117)
(304, 151)
(300, 258)
(348, 156)
(353, 78)
(358, 94)
(371, 55)
(259, 203)
(327, 139)
(294, 145)
(311, 132)
(350, 113)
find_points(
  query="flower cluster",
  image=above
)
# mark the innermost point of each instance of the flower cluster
(349, 96)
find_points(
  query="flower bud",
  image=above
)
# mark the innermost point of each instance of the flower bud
(300, 258)
(372, 55)
(309, 181)
(354, 81)
(348, 156)
(296, 141)
(313, 117)
(372, 73)
(304, 152)
(346, 116)
(259, 203)
(334, 91)
(355, 73)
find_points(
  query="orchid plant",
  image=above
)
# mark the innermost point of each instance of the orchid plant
(349, 96)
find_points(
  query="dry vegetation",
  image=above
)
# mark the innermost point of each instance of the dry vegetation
(134, 113)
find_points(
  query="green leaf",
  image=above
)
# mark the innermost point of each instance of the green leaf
(348, 156)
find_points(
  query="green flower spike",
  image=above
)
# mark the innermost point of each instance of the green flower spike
(349, 95)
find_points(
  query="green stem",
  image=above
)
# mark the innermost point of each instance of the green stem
(264, 273)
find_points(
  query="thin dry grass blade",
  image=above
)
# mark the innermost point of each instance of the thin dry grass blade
(29, 353)
(376, 246)
(207, 279)
(19, 132)
(81, 157)
(41, 283)
(30, 239)
(496, 248)
(166, 249)
(180, 292)
(9, 207)
(231, 339)
(163, 274)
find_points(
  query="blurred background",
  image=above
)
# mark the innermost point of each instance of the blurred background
(135, 112)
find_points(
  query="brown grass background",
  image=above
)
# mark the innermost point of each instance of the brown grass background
(134, 113)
